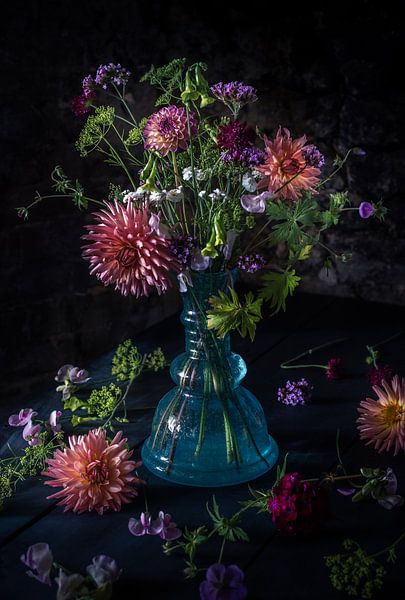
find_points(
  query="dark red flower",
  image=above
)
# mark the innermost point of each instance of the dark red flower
(297, 507)
(81, 104)
(335, 368)
(379, 373)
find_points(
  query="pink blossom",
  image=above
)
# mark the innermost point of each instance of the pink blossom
(24, 416)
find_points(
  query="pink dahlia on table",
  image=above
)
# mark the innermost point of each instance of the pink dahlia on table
(126, 251)
(286, 170)
(93, 472)
(167, 130)
(382, 421)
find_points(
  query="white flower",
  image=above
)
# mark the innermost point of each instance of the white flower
(187, 173)
(217, 194)
(132, 196)
(249, 182)
(175, 195)
(200, 175)
(202, 193)
(157, 196)
(184, 280)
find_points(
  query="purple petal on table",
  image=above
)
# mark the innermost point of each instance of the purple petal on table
(103, 570)
(169, 529)
(346, 491)
(39, 559)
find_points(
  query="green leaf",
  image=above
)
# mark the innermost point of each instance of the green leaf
(277, 287)
(229, 314)
(73, 403)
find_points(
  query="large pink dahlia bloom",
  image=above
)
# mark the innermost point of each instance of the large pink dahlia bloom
(167, 130)
(382, 421)
(126, 250)
(285, 162)
(94, 474)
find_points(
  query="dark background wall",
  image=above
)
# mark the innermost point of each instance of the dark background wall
(326, 70)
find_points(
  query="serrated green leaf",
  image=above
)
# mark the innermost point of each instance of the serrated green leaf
(277, 287)
(227, 314)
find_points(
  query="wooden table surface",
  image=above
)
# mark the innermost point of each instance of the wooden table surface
(276, 567)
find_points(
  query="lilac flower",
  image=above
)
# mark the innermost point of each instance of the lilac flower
(251, 262)
(255, 204)
(169, 530)
(181, 247)
(366, 210)
(31, 434)
(144, 525)
(200, 262)
(24, 416)
(68, 585)
(234, 93)
(103, 570)
(313, 157)
(39, 559)
(161, 229)
(88, 86)
(295, 392)
(111, 73)
(389, 498)
(223, 583)
(53, 421)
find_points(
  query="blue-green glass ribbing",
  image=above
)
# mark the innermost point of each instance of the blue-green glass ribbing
(208, 430)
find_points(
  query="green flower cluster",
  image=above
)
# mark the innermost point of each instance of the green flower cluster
(30, 464)
(102, 402)
(355, 572)
(95, 129)
(156, 360)
(126, 362)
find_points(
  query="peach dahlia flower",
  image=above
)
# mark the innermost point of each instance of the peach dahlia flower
(94, 473)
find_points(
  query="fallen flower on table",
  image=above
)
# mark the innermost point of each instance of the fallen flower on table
(97, 584)
(380, 484)
(70, 377)
(223, 583)
(334, 368)
(162, 526)
(382, 421)
(376, 375)
(358, 573)
(93, 472)
(295, 392)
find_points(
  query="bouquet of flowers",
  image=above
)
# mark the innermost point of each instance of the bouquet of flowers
(206, 196)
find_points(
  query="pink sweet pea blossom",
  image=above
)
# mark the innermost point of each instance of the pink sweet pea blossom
(24, 416)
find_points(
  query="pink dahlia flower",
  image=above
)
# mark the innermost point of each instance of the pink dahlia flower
(382, 421)
(126, 250)
(94, 473)
(286, 162)
(167, 130)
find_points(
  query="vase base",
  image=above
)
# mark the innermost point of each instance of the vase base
(191, 475)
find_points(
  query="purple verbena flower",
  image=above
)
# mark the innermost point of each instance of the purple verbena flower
(88, 86)
(144, 525)
(39, 559)
(312, 156)
(103, 570)
(295, 392)
(366, 210)
(111, 73)
(181, 247)
(251, 262)
(234, 93)
(24, 416)
(223, 583)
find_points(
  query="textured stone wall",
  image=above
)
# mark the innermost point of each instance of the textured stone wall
(327, 72)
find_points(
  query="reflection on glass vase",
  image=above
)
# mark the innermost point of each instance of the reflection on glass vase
(208, 430)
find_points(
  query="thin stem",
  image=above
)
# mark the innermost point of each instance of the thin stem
(390, 547)
(285, 364)
(385, 341)
(221, 553)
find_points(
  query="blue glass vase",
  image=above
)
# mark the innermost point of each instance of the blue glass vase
(208, 430)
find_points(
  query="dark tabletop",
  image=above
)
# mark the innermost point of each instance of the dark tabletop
(277, 567)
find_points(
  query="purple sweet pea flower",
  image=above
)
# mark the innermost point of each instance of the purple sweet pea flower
(230, 241)
(68, 585)
(255, 204)
(200, 262)
(366, 210)
(103, 570)
(144, 525)
(223, 583)
(31, 434)
(24, 416)
(39, 559)
(53, 421)
(158, 227)
(392, 499)
(77, 375)
(169, 531)
(70, 377)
